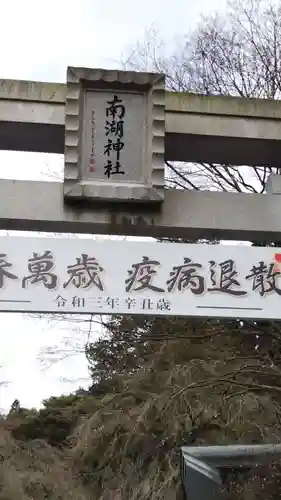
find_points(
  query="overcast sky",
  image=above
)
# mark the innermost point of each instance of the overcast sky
(39, 40)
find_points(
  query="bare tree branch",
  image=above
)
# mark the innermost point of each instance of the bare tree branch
(238, 54)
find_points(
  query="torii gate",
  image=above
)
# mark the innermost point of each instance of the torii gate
(116, 129)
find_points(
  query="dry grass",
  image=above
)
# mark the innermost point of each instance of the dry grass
(132, 442)
(35, 470)
(128, 449)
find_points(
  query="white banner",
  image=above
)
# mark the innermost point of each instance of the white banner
(77, 275)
